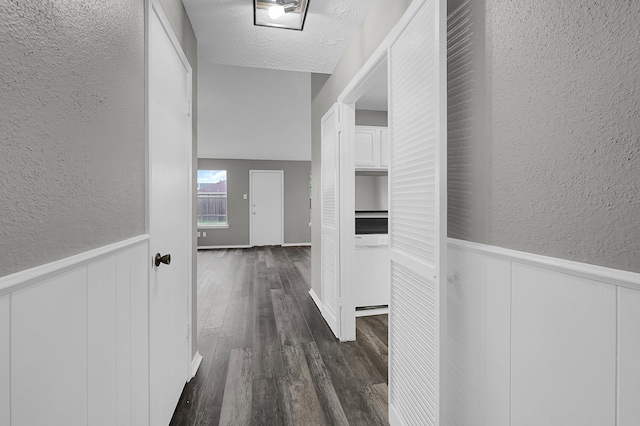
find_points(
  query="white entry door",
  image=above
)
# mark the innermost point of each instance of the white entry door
(267, 207)
(417, 217)
(169, 216)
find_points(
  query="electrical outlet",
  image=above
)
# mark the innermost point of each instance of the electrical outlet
(244, 196)
(204, 234)
(198, 234)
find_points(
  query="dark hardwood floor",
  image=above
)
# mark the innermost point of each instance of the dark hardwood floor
(268, 356)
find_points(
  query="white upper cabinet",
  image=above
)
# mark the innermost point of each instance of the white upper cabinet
(372, 147)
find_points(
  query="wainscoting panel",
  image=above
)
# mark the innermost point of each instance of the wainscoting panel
(479, 332)
(563, 349)
(140, 334)
(5, 359)
(101, 312)
(628, 357)
(49, 351)
(540, 341)
(74, 340)
(123, 337)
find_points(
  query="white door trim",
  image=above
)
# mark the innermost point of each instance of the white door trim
(154, 6)
(281, 172)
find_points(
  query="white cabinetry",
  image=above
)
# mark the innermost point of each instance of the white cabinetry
(372, 147)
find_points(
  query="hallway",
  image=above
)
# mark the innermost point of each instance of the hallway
(268, 356)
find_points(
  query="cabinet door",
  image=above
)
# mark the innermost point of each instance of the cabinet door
(367, 148)
(384, 148)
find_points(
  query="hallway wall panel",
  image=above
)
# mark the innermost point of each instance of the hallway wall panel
(536, 340)
(69, 326)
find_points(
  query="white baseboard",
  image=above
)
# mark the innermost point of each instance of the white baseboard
(315, 299)
(394, 418)
(296, 245)
(241, 246)
(583, 270)
(195, 364)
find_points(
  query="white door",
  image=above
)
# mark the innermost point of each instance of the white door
(417, 220)
(329, 218)
(267, 207)
(169, 216)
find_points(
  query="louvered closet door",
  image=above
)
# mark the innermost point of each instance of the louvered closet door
(417, 224)
(329, 219)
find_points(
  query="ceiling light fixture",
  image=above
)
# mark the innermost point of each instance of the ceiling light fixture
(289, 14)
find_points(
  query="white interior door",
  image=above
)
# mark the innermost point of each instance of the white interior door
(329, 222)
(417, 222)
(267, 207)
(169, 216)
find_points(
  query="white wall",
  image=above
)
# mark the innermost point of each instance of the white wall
(253, 113)
(535, 340)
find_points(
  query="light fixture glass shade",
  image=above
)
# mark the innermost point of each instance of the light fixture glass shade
(289, 14)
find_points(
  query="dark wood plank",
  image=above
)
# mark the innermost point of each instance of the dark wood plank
(236, 403)
(267, 353)
(268, 404)
(213, 391)
(282, 312)
(376, 397)
(243, 333)
(301, 392)
(324, 387)
(189, 403)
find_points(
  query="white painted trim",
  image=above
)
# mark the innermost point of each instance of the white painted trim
(370, 312)
(31, 276)
(592, 272)
(296, 245)
(281, 172)
(315, 299)
(223, 247)
(195, 364)
(394, 418)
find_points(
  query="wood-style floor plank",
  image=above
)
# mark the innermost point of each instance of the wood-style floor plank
(268, 405)
(269, 357)
(236, 403)
(303, 400)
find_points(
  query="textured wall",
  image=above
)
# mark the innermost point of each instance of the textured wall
(558, 132)
(296, 200)
(71, 128)
(381, 19)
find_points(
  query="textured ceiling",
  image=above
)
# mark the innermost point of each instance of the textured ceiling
(226, 34)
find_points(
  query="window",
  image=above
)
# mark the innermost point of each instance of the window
(212, 198)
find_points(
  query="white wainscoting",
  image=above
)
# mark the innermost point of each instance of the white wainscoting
(74, 340)
(540, 341)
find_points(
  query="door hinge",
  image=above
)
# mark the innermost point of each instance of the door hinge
(189, 107)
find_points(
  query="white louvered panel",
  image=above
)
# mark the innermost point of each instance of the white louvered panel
(413, 338)
(329, 219)
(329, 168)
(414, 135)
(417, 217)
(329, 267)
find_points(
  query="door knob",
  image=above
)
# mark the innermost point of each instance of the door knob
(166, 259)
